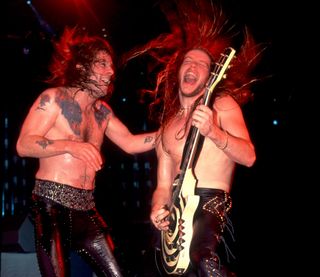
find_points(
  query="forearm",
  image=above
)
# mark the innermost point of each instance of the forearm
(237, 149)
(40, 147)
(141, 143)
(161, 198)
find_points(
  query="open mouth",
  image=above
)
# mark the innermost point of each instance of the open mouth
(190, 78)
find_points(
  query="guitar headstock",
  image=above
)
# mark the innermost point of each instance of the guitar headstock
(221, 67)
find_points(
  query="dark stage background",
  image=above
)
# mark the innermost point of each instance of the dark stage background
(263, 195)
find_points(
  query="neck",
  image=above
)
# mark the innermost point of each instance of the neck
(185, 107)
(184, 110)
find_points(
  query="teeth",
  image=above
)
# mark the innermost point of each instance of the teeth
(106, 81)
(190, 77)
(190, 73)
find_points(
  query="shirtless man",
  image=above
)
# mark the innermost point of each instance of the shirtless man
(64, 129)
(181, 61)
(226, 143)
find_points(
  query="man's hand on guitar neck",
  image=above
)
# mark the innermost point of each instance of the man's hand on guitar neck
(159, 216)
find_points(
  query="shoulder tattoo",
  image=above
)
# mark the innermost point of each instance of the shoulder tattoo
(44, 98)
(101, 114)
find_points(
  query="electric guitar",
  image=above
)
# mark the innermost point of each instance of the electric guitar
(175, 242)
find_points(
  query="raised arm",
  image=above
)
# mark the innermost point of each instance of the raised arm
(118, 133)
(228, 131)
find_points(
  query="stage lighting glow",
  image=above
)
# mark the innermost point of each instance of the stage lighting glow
(26, 51)
(275, 122)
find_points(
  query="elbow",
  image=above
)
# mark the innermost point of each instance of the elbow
(251, 157)
(20, 150)
(129, 150)
(251, 161)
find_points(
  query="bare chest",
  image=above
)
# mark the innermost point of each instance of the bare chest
(174, 137)
(84, 124)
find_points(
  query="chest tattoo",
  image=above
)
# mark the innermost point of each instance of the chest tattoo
(101, 114)
(72, 112)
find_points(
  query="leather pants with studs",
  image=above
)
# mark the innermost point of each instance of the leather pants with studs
(210, 221)
(60, 228)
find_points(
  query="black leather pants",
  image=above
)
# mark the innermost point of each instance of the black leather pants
(210, 221)
(59, 229)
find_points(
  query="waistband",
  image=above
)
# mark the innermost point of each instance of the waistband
(207, 192)
(65, 195)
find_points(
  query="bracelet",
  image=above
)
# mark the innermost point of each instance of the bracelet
(226, 142)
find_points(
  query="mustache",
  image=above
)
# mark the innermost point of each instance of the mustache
(97, 84)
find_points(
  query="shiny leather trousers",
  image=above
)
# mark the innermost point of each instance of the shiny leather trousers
(210, 221)
(59, 229)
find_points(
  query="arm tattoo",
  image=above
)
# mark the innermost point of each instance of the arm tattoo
(44, 143)
(148, 139)
(43, 100)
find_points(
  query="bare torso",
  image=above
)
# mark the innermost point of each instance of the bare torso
(77, 123)
(213, 169)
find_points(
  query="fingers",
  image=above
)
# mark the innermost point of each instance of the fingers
(161, 224)
(159, 219)
(91, 156)
(201, 112)
(202, 119)
(203, 108)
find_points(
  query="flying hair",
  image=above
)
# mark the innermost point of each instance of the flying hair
(196, 24)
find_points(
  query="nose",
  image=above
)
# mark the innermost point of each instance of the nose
(193, 64)
(111, 71)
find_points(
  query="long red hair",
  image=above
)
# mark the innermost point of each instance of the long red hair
(199, 24)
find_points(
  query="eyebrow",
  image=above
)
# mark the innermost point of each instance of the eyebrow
(198, 61)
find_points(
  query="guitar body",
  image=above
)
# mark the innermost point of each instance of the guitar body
(176, 241)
